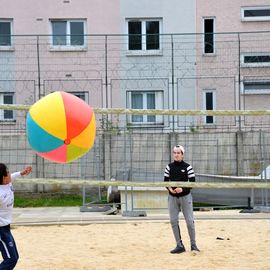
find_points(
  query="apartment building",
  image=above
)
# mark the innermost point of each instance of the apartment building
(112, 54)
(156, 59)
(147, 54)
(233, 55)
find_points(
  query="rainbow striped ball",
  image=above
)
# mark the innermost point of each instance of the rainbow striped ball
(61, 127)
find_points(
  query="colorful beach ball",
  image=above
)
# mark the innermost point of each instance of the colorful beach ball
(61, 127)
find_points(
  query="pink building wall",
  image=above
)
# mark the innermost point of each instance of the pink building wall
(60, 68)
(228, 15)
(66, 69)
(223, 65)
(101, 14)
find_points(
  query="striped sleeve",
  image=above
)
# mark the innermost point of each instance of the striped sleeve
(167, 171)
(190, 172)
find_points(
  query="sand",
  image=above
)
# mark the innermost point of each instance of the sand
(143, 246)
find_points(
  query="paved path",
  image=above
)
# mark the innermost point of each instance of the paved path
(72, 215)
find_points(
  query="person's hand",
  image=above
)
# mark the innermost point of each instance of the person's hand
(178, 190)
(172, 190)
(26, 171)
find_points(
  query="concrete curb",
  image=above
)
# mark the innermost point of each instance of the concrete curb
(45, 216)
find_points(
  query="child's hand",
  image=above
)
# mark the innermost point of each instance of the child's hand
(26, 171)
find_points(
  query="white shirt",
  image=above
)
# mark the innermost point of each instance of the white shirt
(6, 201)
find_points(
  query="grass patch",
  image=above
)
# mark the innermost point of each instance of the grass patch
(65, 200)
(200, 205)
(46, 200)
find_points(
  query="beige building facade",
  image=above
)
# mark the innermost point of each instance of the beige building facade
(233, 55)
(143, 55)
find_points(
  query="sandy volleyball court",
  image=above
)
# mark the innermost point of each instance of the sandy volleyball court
(143, 246)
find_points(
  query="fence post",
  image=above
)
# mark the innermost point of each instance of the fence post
(239, 153)
(107, 155)
(172, 82)
(38, 69)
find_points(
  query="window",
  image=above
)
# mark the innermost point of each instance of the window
(255, 13)
(5, 33)
(145, 100)
(6, 98)
(144, 35)
(256, 87)
(68, 33)
(209, 46)
(81, 95)
(209, 104)
(255, 60)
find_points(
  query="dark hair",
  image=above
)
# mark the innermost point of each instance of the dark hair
(3, 172)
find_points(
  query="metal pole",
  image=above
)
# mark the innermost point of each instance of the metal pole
(130, 173)
(98, 172)
(39, 161)
(239, 79)
(265, 191)
(125, 158)
(106, 71)
(172, 65)
(263, 170)
(38, 69)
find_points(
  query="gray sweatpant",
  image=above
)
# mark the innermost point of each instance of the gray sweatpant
(184, 204)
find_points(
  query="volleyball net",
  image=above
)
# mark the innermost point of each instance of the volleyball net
(227, 149)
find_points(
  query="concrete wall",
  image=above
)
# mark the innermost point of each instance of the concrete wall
(143, 157)
(157, 198)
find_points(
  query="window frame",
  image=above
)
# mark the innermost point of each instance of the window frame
(258, 91)
(68, 45)
(83, 95)
(254, 64)
(11, 46)
(255, 18)
(144, 50)
(159, 104)
(213, 92)
(2, 111)
(213, 33)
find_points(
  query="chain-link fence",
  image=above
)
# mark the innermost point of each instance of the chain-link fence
(105, 71)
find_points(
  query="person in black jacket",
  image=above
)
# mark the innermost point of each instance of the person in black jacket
(180, 199)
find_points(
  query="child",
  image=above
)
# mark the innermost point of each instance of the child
(7, 242)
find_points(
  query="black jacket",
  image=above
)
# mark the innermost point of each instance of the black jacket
(179, 171)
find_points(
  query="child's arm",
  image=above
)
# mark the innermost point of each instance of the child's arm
(25, 171)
